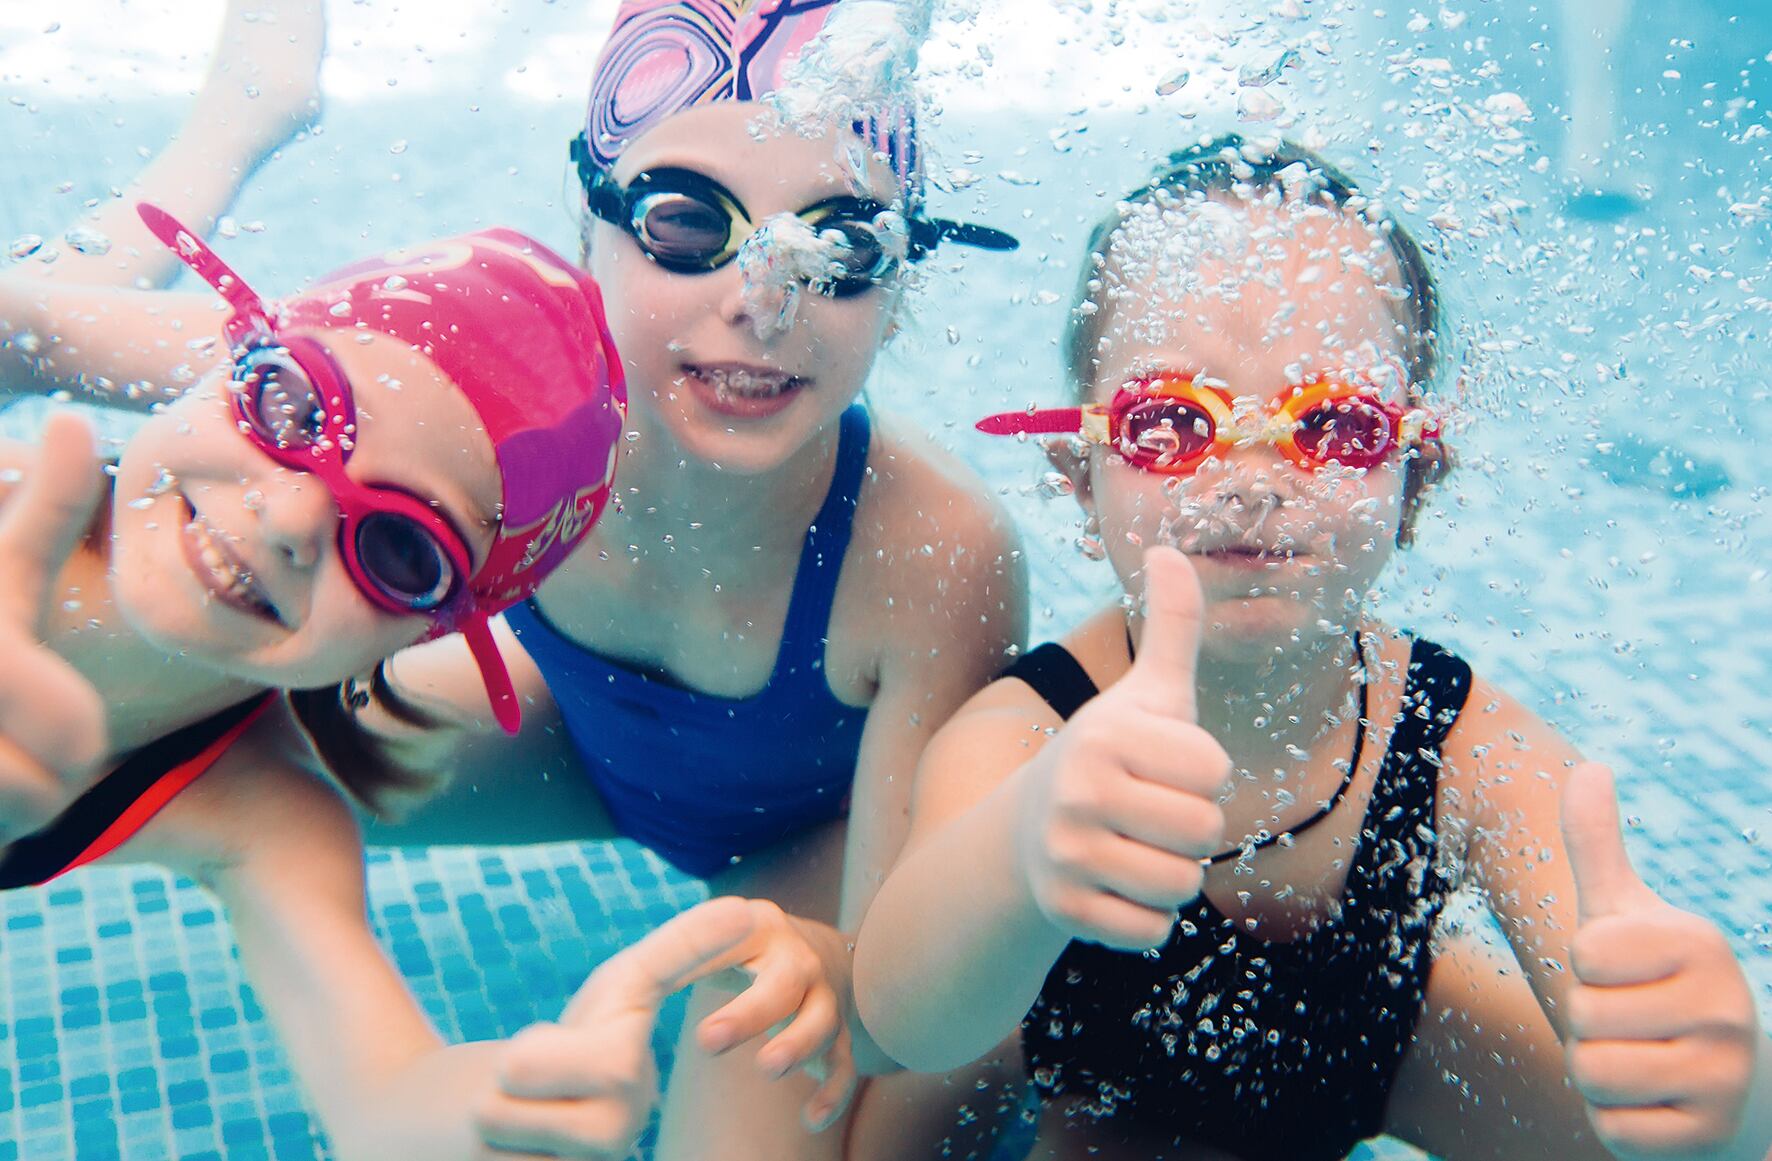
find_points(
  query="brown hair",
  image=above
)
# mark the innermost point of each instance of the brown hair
(328, 716)
(1229, 165)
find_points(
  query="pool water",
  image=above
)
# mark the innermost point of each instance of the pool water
(1602, 553)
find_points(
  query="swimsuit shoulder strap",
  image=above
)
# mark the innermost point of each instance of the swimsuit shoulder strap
(1059, 678)
(827, 540)
(121, 803)
(1438, 683)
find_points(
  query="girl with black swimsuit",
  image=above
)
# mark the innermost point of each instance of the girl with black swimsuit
(1206, 838)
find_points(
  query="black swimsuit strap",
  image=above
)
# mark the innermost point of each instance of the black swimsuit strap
(1059, 679)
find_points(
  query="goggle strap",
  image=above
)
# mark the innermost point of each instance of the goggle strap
(1046, 421)
(249, 309)
(477, 630)
(979, 237)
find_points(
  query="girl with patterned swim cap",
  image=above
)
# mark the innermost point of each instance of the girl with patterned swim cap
(1209, 833)
(396, 454)
(741, 665)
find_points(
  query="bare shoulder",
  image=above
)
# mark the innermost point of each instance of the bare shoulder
(1503, 758)
(1009, 709)
(934, 557)
(265, 806)
(921, 507)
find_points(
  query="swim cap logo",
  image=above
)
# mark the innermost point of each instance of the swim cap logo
(565, 524)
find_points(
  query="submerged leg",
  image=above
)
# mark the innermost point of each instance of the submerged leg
(262, 88)
(725, 1106)
(1593, 153)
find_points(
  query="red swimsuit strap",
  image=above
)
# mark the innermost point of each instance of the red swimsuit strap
(126, 799)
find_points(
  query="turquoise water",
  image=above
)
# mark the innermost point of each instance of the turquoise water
(1603, 552)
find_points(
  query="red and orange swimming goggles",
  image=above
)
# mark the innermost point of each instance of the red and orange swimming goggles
(1170, 423)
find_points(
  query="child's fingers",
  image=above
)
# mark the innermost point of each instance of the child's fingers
(702, 940)
(1620, 1074)
(1179, 821)
(545, 1062)
(574, 1129)
(1621, 951)
(1169, 647)
(28, 791)
(772, 997)
(53, 722)
(1118, 923)
(1660, 1131)
(45, 517)
(836, 1090)
(1630, 1013)
(809, 1036)
(1605, 882)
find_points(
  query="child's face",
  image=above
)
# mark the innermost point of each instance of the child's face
(699, 373)
(199, 507)
(1258, 298)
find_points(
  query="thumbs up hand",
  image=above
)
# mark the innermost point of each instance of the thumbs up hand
(52, 723)
(1119, 809)
(585, 1088)
(1662, 1028)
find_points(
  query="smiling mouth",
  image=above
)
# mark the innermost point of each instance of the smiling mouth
(744, 383)
(222, 573)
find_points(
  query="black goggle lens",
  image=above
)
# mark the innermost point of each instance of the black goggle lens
(678, 228)
(405, 562)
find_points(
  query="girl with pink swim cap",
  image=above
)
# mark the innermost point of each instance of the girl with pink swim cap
(395, 455)
(763, 733)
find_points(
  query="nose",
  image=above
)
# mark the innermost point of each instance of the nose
(1244, 485)
(297, 516)
(764, 290)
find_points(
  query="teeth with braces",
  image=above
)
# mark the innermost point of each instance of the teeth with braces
(240, 584)
(744, 384)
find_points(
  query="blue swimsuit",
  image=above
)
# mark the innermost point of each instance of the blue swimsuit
(702, 779)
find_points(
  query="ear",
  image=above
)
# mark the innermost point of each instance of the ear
(1069, 456)
(1430, 464)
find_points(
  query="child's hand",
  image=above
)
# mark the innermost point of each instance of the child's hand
(585, 1088)
(52, 722)
(790, 982)
(1121, 806)
(1662, 1027)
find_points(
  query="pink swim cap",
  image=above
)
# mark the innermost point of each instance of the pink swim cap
(665, 56)
(521, 332)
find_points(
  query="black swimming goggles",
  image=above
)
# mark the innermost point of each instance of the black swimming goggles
(689, 223)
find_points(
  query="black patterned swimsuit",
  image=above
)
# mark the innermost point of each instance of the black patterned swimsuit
(1264, 1050)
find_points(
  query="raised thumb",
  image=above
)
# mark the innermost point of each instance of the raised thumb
(1162, 675)
(1605, 882)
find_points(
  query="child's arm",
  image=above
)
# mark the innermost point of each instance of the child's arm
(498, 789)
(1656, 1013)
(948, 621)
(280, 848)
(1019, 845)
(106, 345)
